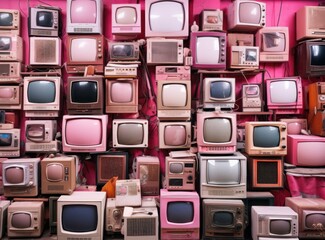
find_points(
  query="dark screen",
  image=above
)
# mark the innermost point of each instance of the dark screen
(267, 172)
(317, 55)
(84, 92)
(6, 19)
(180, 212)
(41, 92)
(5, 43)
(79, 218)
(251, 55)
(44, 19)
(223, 218)
(122, 50)
(5, 139)
(266, 136)
(220, 89)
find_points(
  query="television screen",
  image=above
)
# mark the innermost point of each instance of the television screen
(126, 15)
(313, 219)
(169, 90)
(79, 218)
(14, 175)
(83, 11)
(220, 89)
(217, 130)
(122, 50)
(283, 91)
(5, 43)
(83, 49)
(250, 12)
(6, 19)
(272, 139)
(317, 55)
(121, 92)
(130, 133)
(207, 50)
(175, 135)
(274, 42)
(222, 219)
(180, 212)
(44, 19)
(84, 92)
(5, 139)
(41, 91)
(55, 172)
(280, 227)
(223, 172)
(21, 220)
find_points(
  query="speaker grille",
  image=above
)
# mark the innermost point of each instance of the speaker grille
(45, 51)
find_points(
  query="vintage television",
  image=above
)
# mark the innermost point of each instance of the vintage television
(10, 72)
(11, 47)
(310, 22)
(252, 97)
(25, 219)
(41, 136)
(165, 51)
(126, 19)
(59, 174)
(246, 16)
(174, 135)
(218, 92)
(311, 216)
(285, 95)
(3, 216)
(309, 58)
(130, 133)
(21, 177)
(85, 95)
(273, 43)
(167, 18)
(112, 164)
(53, 203)
(121, 95)
(211, 20)
(81, 215)
(179, 215)
(295, 125)
(11, 97)
(223, 176)
(148, 171)
(123, 51)
(244, 57)
(223, 218)
(265, 173)
(45, 51)
(85, 50)
(216, 132)
(306, 150)
(180, 173)
(44, 21)
(10, 21)
(274, 222)
(208, 50)
(92, 140)
(265, 138)
(316, 96)
(174, 99)
(42, 96)
(10, 142)
(85, 16)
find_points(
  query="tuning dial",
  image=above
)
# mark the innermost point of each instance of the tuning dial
(116, 214)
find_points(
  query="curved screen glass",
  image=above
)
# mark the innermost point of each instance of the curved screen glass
(220, 90)
(223, 172)
(217, 130)
(250, 12)
(41, 91)
(126, 15)
(5, 139)
(6, 19)
(272, 139)
(79, 218)
(84, 92)
(222, 218)
(21, 220)
(283, 91)
(44, 19)
(317, 55)
(180, 212)
(5, 43)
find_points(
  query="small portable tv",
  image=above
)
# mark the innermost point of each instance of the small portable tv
(179, 214)
(274, 222)
(174, 99)
(244, 57)
(165, 51)
(21, 177)
(310, 22)
(81, 214)
(174, 135)
(121, 95)
(41, 136)
(123, 51)
(219, 92)
(284, 95)
(223, 176)
(25, 219)
(295, 125)
(126, 19)
(208, 50)
(211, 20)
(44, 21)
(311, 216)
(59, 174)
(85, 95)
(252, 97)
(273, 43)
(11, 96)
(85, 16)
(10, 21)
(168, 18)
(10, 142)
(45, 51)
(130, 133)
(246, 15)
(265, 138)
(93, 139)
(10, 72)
(85, 50)
(223, 218)
(216, 132)
(112, 164)
(3, 216)
(11, 47)
(42, 96)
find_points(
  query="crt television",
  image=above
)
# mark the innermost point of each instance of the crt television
(11, 96)
(126, 19)
(169, 18)
(10, 20)
(11, 47)
(10, 142)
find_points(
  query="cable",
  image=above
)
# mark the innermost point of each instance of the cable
(279, 16)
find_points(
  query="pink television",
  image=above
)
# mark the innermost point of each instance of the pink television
(11, 96)
(208, 50)
(10, 20)
(284, 95)
(179, 215)
(126, 19)
(306, 150)
(93, 137)
(216, 132)
(85, 16)
(11, 47)
(167, 18)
